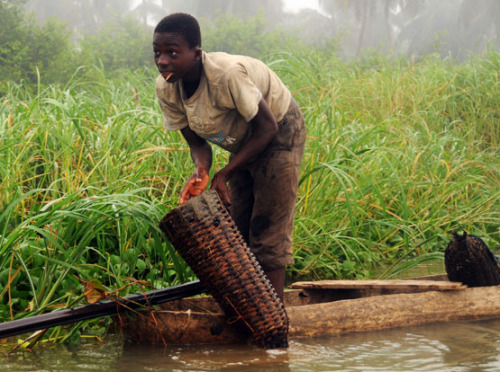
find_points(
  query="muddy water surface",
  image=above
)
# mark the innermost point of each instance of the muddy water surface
(457, 346)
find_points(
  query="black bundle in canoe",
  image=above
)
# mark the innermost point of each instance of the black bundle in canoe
(469, 260)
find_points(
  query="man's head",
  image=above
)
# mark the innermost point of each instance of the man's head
(177, 48)
(183, 24)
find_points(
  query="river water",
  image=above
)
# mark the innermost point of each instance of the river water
(456, 346)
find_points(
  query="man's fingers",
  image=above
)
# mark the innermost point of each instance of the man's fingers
(194, 186)
(184, 197)
(190, 191)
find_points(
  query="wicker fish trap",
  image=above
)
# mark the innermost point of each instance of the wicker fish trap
(205, 235)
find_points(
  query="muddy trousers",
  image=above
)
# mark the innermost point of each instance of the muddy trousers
(263, 194)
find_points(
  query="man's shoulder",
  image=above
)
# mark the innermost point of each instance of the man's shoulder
(226, 58)
(218, 65)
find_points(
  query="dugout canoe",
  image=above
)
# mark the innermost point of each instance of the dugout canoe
(322, 308)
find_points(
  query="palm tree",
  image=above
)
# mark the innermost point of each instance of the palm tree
(211, 8)
(451, 27)
(63, 10)
(370, 20)
(431, 27)
(80, 15)
(148, 9)
(479, 23)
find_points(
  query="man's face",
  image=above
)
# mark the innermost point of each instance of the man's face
(175, 58)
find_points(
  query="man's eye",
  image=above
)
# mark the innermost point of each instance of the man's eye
(172, 53)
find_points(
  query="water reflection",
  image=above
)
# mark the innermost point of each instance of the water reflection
(457, 346)
(206, 357)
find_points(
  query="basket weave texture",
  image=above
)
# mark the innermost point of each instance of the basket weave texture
(205, 235)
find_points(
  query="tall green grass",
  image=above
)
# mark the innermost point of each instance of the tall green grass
(86, 174)
(399, 154)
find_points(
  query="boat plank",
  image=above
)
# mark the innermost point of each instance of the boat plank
(430, 285)
(399, 310)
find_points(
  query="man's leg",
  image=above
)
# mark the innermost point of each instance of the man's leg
(277, 279)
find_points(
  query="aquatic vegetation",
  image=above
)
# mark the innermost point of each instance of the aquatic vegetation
(399, 154)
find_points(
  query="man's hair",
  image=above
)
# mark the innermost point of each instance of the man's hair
(182, 24)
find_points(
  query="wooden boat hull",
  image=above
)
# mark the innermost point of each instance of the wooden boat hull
(398, 310)
(317, 312)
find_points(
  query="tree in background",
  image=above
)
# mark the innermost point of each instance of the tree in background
(12, 33)
(81, 16)
(426, 29)
(480, 23)
(367, 22)
(29, 49)
(210, 9)
(89, 16)
(148, 11)
(449, 27)
(26, 48)
(122, 44)
(116, 34)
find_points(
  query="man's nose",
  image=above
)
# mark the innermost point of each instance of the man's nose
(163, 60)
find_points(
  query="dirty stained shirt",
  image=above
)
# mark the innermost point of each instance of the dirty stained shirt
(226, 99)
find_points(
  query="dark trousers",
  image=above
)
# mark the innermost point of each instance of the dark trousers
(263, 194)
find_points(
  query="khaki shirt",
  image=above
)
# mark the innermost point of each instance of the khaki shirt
(226, 99)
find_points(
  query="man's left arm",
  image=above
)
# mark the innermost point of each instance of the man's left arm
(264, 128)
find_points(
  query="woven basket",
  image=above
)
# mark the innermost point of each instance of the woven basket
(205, 235)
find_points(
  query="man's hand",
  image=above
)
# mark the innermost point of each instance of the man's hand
(196, 184)
(219, 184)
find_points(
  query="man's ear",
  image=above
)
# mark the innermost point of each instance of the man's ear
(197, 52)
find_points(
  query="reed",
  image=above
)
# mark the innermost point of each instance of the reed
(399, 154)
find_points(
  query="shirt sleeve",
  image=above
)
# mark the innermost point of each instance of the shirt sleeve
(173, 117)
(244, 93)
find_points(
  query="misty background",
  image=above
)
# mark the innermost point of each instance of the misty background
(450, 27)
(56, 37)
